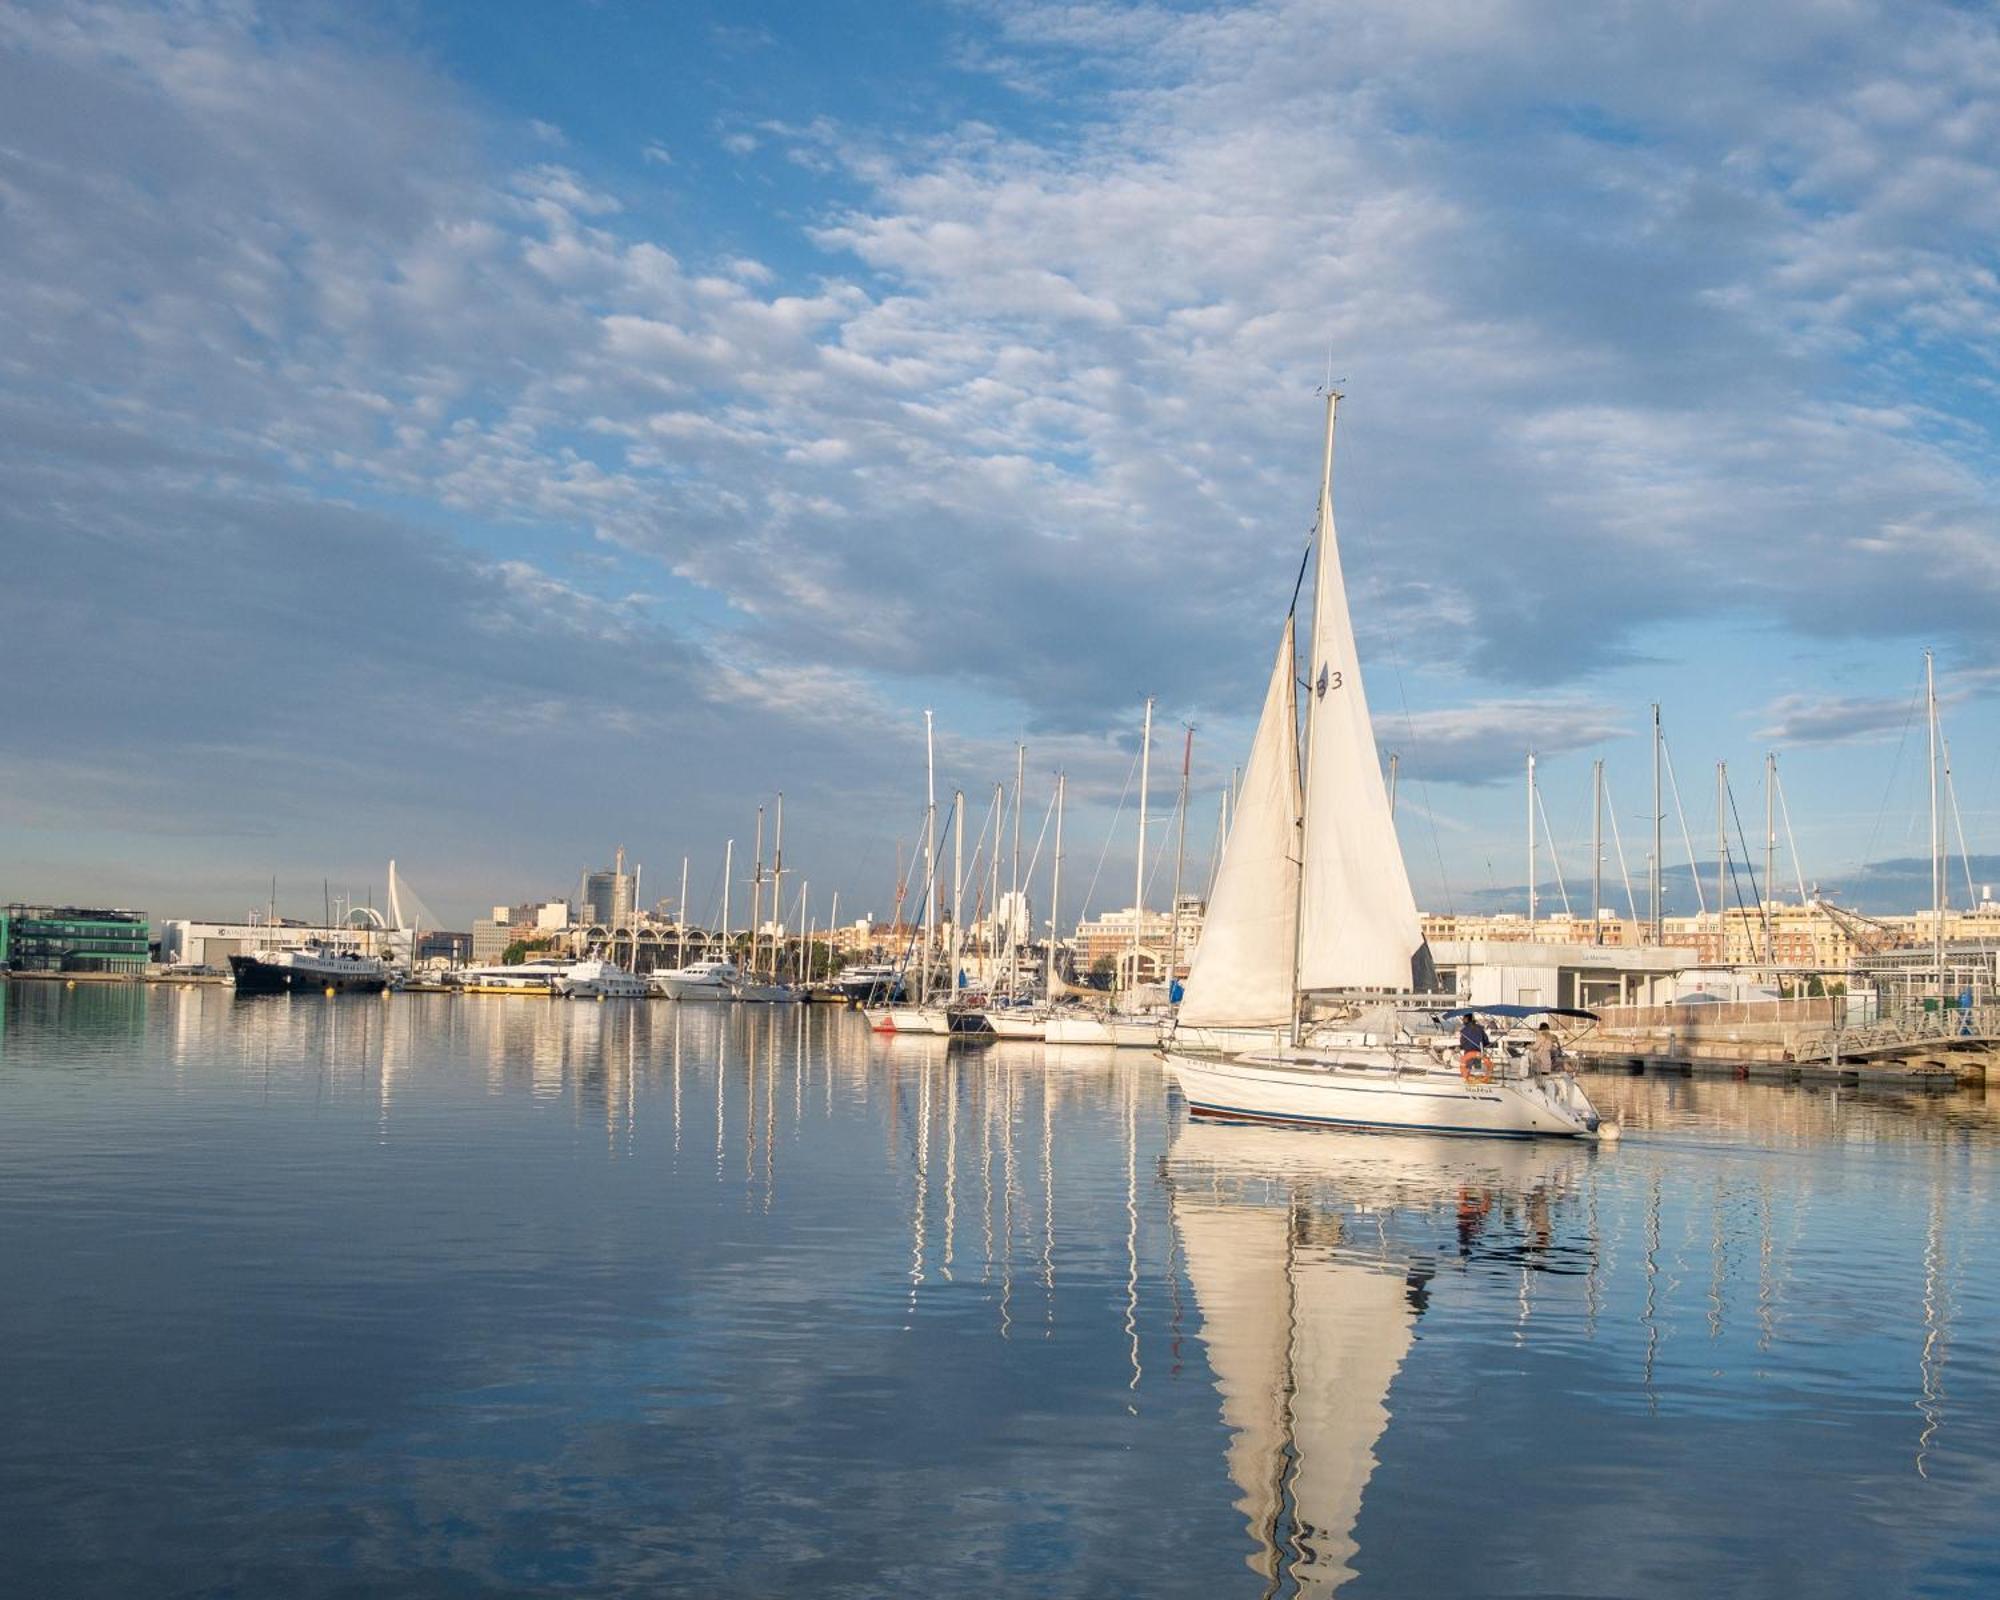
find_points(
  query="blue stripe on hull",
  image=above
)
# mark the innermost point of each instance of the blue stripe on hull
(1236, 1114)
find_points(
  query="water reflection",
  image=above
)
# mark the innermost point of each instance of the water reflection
(1311, 1258)
(629, 1298)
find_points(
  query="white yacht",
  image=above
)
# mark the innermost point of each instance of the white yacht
(699, 980)
(1312, 931)
(596, 979)
(523, 977)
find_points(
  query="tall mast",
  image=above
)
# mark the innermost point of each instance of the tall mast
(638, 870)
(1180, 859)
(1014, 905)
(778, 888)
(993, 882)
(1321, 526)
(728, 866)
(1395, 762)
(1721, 863)
(1139, 868)
(757, 902)
(1597, 851)
(832, 932)
(930, 861)
(1659, 819)
(1937, 856)
(1770, 853)
(1531, 845)
(681, 917)
(1055, 894)
(957, 890)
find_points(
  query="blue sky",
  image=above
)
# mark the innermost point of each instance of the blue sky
(488, 434)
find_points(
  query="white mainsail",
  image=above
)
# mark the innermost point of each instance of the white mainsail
(1359, 927)
(1241, 976)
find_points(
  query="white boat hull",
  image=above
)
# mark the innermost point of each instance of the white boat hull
(1226, 1041)
(1017, 1024)
(773, 994)
(1132, 1033)
(1380, 1088)
(907, 1019)
(693, 989)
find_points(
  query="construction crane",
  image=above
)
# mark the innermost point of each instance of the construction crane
(1866, 934)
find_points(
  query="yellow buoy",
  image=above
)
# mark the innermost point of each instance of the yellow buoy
(329, 990)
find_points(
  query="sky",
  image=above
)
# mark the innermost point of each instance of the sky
(485, 435)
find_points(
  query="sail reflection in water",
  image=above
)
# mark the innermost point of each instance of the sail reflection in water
(1312, 1257)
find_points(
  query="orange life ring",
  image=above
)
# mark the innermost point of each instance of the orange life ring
(1485, 1072)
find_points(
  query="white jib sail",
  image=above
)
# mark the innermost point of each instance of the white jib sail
(1359, 927)
(1241, 976)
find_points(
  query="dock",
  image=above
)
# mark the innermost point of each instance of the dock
(1799, 1040)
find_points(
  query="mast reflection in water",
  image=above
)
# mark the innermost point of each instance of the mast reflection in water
(442, 1294)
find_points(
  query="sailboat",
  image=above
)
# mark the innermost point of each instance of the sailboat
(1290, 1012)
(1306, 1324)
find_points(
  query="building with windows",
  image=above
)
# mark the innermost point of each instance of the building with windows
(1107, 941)
(72, 939)
(605, 896)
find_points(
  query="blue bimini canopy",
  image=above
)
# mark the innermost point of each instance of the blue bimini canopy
(1520, 1011)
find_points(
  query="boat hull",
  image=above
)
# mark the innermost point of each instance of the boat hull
(1130, 1033)
(1227, 1041)
(1379, 1090)
(913, 1019)
(767, 994)
(693, 989)
(254, 976)
(1017, 1024)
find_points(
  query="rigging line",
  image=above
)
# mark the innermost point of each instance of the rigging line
(1299, 584)
(1951, 793)
(1895, 770)
(1694, 870)
(1785, 811)
(1631, 902)
(1555, 860)
(1750, 868)
(917, 928)
(1423, 783)
(1110, 833)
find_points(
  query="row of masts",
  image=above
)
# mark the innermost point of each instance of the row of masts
(1776, 811)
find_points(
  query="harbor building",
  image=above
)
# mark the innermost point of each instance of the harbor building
(207, 946)
(72, 939)
(1108, 939)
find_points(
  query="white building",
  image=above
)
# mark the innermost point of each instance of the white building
(187, 943)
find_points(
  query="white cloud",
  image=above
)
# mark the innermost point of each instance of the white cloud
(1640, 323)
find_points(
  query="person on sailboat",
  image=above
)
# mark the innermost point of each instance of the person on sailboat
(1545, 1054)
(1473, 1043)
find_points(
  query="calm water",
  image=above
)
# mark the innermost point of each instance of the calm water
(494, 1296)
